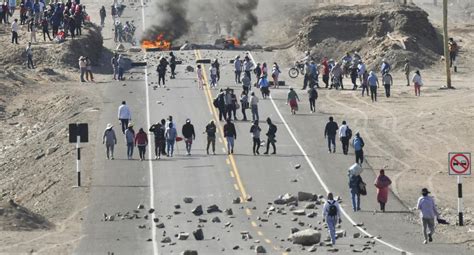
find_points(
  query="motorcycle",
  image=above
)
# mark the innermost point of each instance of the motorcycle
(297, 68)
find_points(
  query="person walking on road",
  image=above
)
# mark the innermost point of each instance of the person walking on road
(189, 135)
(161, 69)
(159, 133)
(428, 213)
(200, 76)
(264, 86)
(332, 216)
(170, 136)
(358, 144)
(254, 106)
(387, 81)
(382, 182)
(213, 74)
(355, 182)
(292, 100)
(219, 103)
(453, 52)
(130, 140)
(345, 134)
(103, 14)
(275, 74)
(244, 104)
(218, 69)
(373, 82)
(365, 83)
(248, 66)
(246, 84)
(313, 96)
(110, 140)
(211, 137)
(141, 141)
(271, 134)
(406, 71)
(237, 69)
(120, 65)
(231, 135)
(330, 133)
(255, 130)
(89, 70)
(417, 82)
(124, 115)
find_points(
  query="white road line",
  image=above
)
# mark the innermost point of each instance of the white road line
(150, 155)
(321, 181)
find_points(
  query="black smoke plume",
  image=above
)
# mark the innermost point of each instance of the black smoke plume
(246, 9)
(173, 22)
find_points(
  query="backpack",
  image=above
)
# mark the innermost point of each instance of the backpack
(362, 189)
(348, 133)
(332, 210)
(216, 102)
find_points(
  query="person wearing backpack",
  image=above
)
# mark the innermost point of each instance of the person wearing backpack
(332, 216)
(358, 144)
(271, 134)
(355, 182)
(345, 134)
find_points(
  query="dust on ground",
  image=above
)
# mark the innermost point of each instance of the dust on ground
(37, 163)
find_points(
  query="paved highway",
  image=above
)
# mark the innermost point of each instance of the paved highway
(120, 185)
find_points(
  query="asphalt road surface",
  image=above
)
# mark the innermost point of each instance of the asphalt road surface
(120, 185)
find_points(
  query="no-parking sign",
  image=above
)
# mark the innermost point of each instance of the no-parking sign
(459, 163)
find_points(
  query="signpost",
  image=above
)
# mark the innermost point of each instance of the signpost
(459, 164)
(78, 133)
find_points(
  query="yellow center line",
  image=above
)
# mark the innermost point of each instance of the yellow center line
(254, 224)
(232, 174)
(207, 90)
(259, 233)
(236, 187)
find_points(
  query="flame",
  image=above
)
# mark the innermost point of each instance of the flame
(233, 40)
(159, 43)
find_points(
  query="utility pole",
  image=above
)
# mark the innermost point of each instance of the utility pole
(447, 59)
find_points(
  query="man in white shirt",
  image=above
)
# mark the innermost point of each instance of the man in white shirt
(343, 136)
(15, 31)
(254, 106)
(124, 115)
(332, 216)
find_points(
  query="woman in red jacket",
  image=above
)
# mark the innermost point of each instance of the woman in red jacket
(141, 141)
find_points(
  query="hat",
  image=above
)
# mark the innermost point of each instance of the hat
(188, 120)
(425, 191)
(109, 126)
(130, 125)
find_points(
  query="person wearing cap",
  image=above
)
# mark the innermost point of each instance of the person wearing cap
(130, 140)
(271, 134)
(211, 130)
(382, 182)
(332, 216)
(255, 130)
(141, 141)
(231, 135)
(428, 213)
(159, 133)
(358, 144)
(417, 82)
(110, 140)
(124, 115)
(292, 99)
(237, 69)
(189, 135)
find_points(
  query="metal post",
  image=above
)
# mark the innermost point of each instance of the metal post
(78, 169)
(446, 51)
(461, 221)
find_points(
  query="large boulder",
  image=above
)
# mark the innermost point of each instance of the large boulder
(306, 237)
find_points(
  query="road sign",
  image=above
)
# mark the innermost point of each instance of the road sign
(459, 163)
(78, 130)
